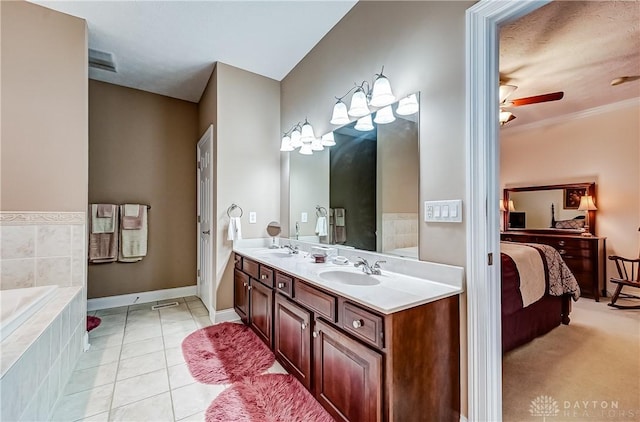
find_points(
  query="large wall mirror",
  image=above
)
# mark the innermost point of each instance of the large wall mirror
(366, 186)
(554, 207)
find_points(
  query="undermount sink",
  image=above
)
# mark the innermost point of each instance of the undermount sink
(349, 277)
(278, 253)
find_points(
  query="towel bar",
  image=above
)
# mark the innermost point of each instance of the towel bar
(233, 207)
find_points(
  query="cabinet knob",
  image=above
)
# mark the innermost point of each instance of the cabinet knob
(249, 288)
(280, 285)
(245, 284)
(562, 251)
(303, 325)
(357, 323)
(315, 334)
(561, 243)
(263, 276)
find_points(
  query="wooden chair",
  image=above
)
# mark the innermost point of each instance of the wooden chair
(628, 276)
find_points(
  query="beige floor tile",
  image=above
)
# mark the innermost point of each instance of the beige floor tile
(97, 357)
(191, 299)
(139, 365)
(100, 417)
(174, 355)
(86, 379)
(194, 398)
(143, 347)
(105, 342)
(179, 376)
(141, 387)
(111, 311)
(276, 368)
(83, 404)
(200, 311)
(106, 330)
(142, 325)
(156, 409)
(143, 306)
(177, 327)
(175, 340)
(202, 321)
(132, 336)
(195, 304)
(197, 417)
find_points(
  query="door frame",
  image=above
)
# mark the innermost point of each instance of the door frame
(482, 196)
(207, 134)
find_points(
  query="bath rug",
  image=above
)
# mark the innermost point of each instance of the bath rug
(92, 322)
(225, 353)
(267, 398)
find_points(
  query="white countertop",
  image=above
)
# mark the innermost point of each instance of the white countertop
(395, 292)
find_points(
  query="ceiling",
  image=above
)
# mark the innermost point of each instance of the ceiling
(573, 46)
(170, 47)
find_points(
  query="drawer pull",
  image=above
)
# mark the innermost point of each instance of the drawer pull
(315, 334)
(249, 288)
(280, 285)
(357, 323)
(303, 325)
(562, 251)
(561, 243)
(245, 284)
(263, 276)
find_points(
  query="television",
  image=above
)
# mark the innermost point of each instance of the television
(517, 220)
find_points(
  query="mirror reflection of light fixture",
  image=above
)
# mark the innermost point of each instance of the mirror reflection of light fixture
(286, 144)
(384, 115)
(295, 138)
(340, 115)
(306, 135)
(364, 124)
(586, 204)
(316, 145)
(328, 139)
(408, 105)
(305, 149)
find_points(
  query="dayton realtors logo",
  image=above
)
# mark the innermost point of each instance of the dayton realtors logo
(544, 406)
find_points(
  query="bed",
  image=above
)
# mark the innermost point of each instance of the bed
(537, 287)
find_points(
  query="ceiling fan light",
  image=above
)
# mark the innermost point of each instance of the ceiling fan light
(307, 132)
(359, 106)
(384, 115)
(286, 144)
(408, 105)
(364, 124)
(505, 91)
(295, 139)
(328, 139)
(504, 116)
(306, 149)
(381, 94)
(340, 115)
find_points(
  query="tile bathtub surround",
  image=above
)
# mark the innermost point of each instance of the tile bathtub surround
(42, 248)
(38, 358)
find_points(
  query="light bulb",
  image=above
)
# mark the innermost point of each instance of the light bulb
(384, 115)
(340, 115)
(408, 105)
(328, 140)
(359, 106)
(306, 149)
(286, 144)
(295, 139)
(381, 94)
(364, 124)
(316, 145)
(307, 132)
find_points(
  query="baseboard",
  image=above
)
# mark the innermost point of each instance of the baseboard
(224, 315)
(142, 297)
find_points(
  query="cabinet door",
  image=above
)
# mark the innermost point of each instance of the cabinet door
(292, 345)
(261, 302)
(348, 376)
(241, 295)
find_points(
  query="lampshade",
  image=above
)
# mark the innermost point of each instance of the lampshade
(505, 91)
(286, 144)
(316, 145)
(364, 124)
(511, 206)
(328, 140)
(502, 208)
(408, 105)
(359, 106)
(504, 116)
(307, 133)
(340, 115)
(295, 139)
(305, 149)
(381, 94)
(586, 203)
(384, 115)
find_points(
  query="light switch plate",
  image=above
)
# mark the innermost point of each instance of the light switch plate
(304, 217)
(449, 211)
(252, 217)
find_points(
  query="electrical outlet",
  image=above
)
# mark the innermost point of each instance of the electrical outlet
(252, 217)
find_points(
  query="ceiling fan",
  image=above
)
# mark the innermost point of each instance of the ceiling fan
(506, 90)
(622, 79)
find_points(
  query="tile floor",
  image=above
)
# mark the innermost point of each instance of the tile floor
(135, 371)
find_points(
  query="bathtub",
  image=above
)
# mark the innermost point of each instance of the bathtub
(17, 305)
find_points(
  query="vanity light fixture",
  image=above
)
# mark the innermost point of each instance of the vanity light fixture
(295, 138)
(286, 144)
(291, 139)
(381, 94)
(306, 134)
(316, 145)
(377, 94)
(408, 105)
(340, 115)
(328, 139)
(359, 107)
(364, 124)
(305, 149)
(384, 115)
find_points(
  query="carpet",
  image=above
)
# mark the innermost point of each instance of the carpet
(267, 398)
(92, 322)
(225, 353)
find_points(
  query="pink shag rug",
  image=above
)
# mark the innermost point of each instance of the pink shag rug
(92, 322)
(225, 353)
(267, 398)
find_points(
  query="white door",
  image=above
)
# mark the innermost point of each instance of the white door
(205, 218)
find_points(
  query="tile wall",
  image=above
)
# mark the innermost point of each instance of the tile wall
(399, 230)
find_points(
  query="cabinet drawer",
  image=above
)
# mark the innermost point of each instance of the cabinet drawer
(250, 267)
(284, 284)
(363, 324)
(237, 261)
(320, 302)
(266, 276)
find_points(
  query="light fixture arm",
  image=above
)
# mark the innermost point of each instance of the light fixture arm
(292, 128)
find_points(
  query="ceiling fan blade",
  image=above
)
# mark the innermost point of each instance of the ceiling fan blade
(554, 96)
(512, 117)
(623, 79)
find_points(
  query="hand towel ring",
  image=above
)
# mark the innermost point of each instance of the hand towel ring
(321, 211)
(233, 207)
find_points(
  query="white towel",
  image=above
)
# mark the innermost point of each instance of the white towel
(131, 210)
(235, 229)
(102, 224)
(321, 226)
(133, 243)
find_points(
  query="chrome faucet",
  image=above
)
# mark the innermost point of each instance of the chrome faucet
(297, 230)
(292, 249)
(369, 269)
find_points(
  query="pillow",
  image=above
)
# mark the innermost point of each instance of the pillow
(570, 224)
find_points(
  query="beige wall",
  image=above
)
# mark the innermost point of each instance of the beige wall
(247, 160)
(44, 110)
(604, 148)
(142, 149)
(421, 45)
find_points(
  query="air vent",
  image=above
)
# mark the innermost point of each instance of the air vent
(101, 60)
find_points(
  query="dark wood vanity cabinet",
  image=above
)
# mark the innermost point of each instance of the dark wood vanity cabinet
(585, 257)
(261, 306)
(292, 339)
(241, 295)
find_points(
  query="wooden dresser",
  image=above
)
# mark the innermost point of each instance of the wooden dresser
(585, 257)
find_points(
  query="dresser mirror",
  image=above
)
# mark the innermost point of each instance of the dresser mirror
(364, 189)
(548, 208)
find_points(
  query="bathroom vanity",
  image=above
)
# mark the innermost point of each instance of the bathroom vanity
(368, 347)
